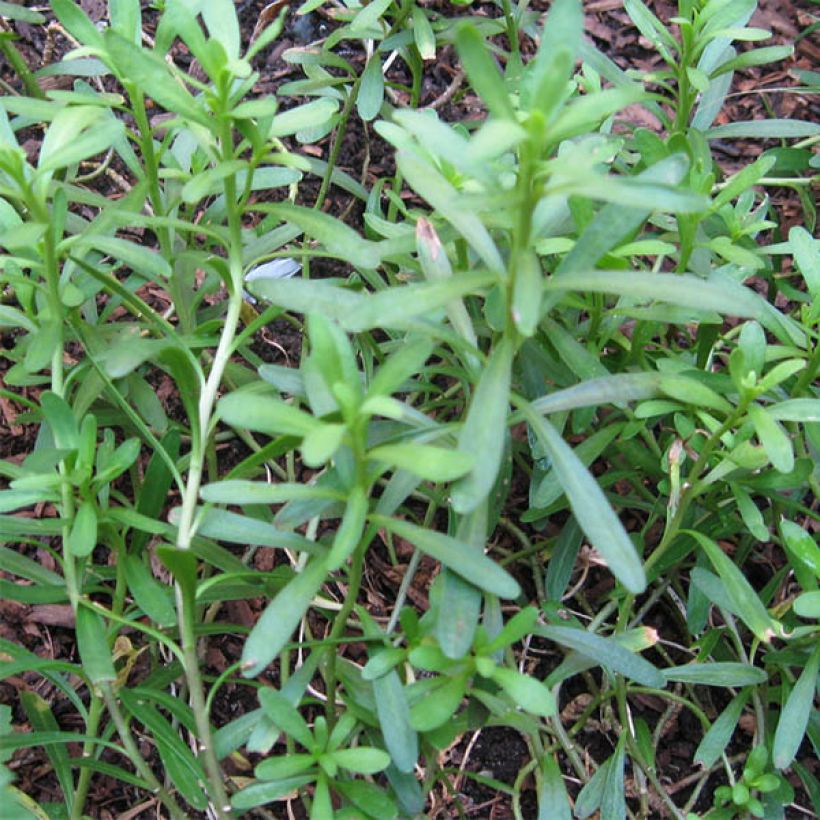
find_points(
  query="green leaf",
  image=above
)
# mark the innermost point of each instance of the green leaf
(42, 719)
(61, 420)
(75, 21)
(526, 301)
(211, 181)
(279, 768)
(11, 317)
(528, 693)
(424, 460)
(592, 511)
(714, 742)
(439, 704)
(321, 443)
(77, 133)
(764, 129)
(691, 391)
(15, 12)
(223, 25)
(282, 712)
(371, 89)
(350, 530)
(741, 594)
(82, 537)
(92, 643)
(606, 652)
(458, 608)
(483, 433)
(553, 801)
(183, 769)
(149, 71)
(483, 72)
(775, 441)
(807, 605)
(265, 414)
(757, 56)
(261, 794)
(716, 674)
(616, 389)
(461, 558)
(801, 546)
(338, 240)
(804, 248)
(423, 34)
(152, 597)
(433, 186)
(258, 492)
(361, 759)
(801, 410)
(605, 789)
(394, 307)
(281, 617)
(394, 718)
(367, 797)
(234, 528)
(794, 718)
(303, 117)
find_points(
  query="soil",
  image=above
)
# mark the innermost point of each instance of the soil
(495, 753)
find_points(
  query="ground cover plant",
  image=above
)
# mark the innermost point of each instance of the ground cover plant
(551, 375)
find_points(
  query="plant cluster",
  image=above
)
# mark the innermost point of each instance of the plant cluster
(530, 296)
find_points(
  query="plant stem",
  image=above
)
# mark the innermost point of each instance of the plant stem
(143, 769)
(92, 725)
(186, 529)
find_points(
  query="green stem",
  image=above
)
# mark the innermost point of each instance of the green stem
(92, 726)
(186, 529)
(693, 487)
(336, 148)
(143, 769)
(20, 66)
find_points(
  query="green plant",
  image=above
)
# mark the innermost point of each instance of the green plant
(532, 294)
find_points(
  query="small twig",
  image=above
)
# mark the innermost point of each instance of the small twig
(448, 92)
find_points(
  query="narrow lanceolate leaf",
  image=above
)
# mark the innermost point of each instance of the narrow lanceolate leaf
(224, 525)
(482, 435)
(394, 716)
(684, 289)
(338, 239)
(553, 801)
(592, 511)
(371, 89)
(775, 441)
(616, 389)
(745, 600)
(350, 530)
(527, 693)
(483, 72)
(83, 535)
(795, 715)
(462, 558)
(438, 191)
(606, 652)
(393, 307)
(424, 460)
(265, 414)
(714, 742)
(258, 492)
(716, 674)
(274, 629)
(92, 643)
